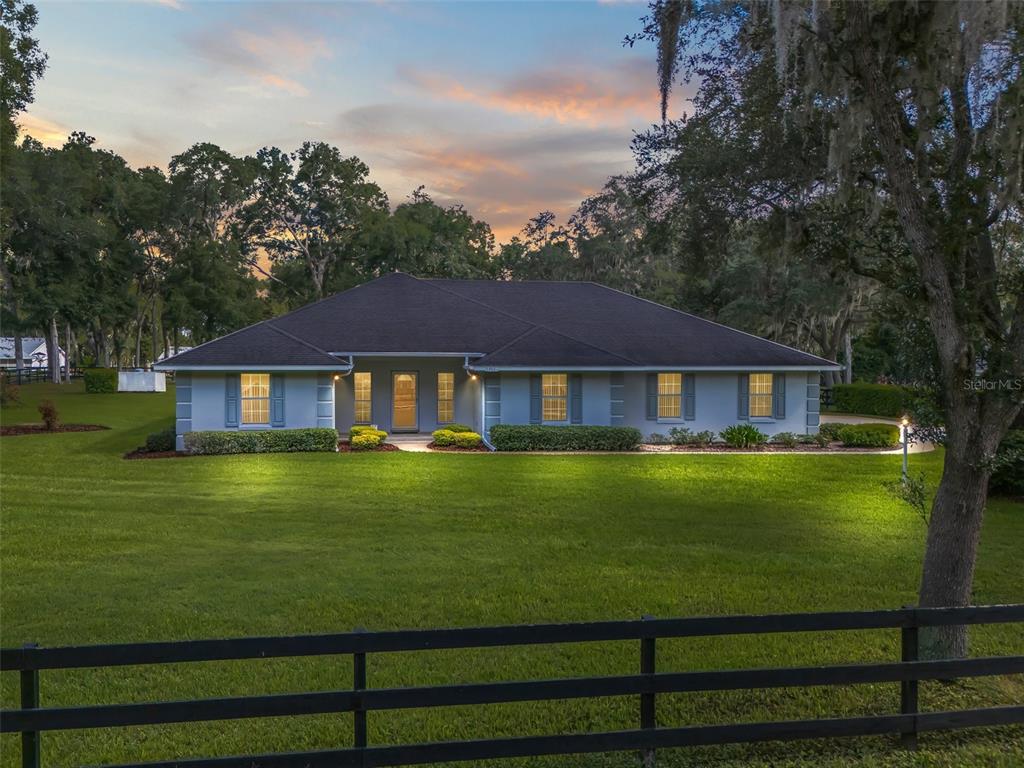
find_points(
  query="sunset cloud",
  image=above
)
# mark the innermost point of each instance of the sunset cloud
(594, 96)
(47, 132)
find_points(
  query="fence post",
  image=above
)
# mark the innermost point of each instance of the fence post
(30, 700)
(648, 716)
(909, 688)
(359, 684)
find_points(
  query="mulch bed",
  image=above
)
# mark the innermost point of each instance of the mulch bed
(769, 448)
(455, 449)
(39, 429)
(345, 447)
(139, 453)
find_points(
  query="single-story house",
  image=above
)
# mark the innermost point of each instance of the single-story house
(411, 355)
(33, 353)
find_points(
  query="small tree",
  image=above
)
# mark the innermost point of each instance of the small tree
(48, 411)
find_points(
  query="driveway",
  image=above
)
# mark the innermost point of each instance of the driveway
(851, 418)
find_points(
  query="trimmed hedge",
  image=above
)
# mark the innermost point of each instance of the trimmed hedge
(161, 441)
(869, 435)
(100, 380)
(830, 430)
(363, 438)
(445, 438)
(1008, 477)
(871, 399)
(535, 437)
(456, 428)
(262, 441)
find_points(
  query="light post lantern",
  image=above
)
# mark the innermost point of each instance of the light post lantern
(905, 439)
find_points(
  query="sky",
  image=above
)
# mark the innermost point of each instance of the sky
(510, 108)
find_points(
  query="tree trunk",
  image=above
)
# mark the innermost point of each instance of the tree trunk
(138, 342)
(104, 347)
(67, 353)
(19, 351)
(53, 352)
(155, 333)
(848, 354)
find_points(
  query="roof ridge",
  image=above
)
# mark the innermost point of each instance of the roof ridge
(293, 337)
(524, 320)
(710, 322)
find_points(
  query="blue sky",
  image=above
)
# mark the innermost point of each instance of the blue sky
(508, 107)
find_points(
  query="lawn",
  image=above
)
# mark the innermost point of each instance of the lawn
(95, 549)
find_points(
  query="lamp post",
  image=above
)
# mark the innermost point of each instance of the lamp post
(905, 429)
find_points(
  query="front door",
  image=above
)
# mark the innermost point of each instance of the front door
(403, 402)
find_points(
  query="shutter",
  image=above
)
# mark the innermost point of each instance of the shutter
(576, 399)
(689, 397)
(652, 396)
(743, 402)
(231, 384)
(277, 399)
(535, 398)
(779, 396)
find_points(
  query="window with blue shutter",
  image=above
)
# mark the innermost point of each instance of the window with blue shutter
(779, 396)
(689, 397)
(277, 400)
(576, 399)
(743, 401)
(535, 398)
(231, 382)
(652, 397)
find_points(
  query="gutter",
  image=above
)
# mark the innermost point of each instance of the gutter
(652, 368)
(483, 406)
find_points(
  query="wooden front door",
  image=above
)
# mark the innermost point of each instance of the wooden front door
(403, 403)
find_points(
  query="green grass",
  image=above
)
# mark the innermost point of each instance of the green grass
(98, 549)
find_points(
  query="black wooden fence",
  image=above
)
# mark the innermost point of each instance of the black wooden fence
(33, 719)
(21, 376)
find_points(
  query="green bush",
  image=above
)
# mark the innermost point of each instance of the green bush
(365, 441)
(262, 441)
(10, 393)
(359, 429)
(535, 437)
(787, 439)
(684, 436)
(100, 380)
(1008, 477)
(871, 399)
(869, 435)
(656, 438)
(830, 430)
(457, 428)
(161, 441)
(443, 437)
(467, 440)
(820, 440)
(743, 436)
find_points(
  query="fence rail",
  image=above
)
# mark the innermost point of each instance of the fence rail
(21, 376)
(31, 720)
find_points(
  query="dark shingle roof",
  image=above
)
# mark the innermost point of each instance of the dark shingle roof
(508, 324)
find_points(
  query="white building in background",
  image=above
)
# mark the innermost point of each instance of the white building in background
(33, 352)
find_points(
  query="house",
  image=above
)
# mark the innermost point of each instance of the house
(33, 353)
(411, 355)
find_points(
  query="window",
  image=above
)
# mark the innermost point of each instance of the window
(554, 397)
(760, 395)
(364, 387)
(445, 398)
(670, 390)
(255, 398)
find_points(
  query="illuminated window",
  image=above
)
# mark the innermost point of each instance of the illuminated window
(670, 390)
(445, 398)
(255, 398)
(363, 386)
(554, 396)
(761, 395)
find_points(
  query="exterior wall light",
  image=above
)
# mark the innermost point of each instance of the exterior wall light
(337, 377)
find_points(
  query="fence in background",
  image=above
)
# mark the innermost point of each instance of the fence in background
(32, 719)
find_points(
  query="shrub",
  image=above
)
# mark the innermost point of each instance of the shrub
(467, 440)
(10, 393)
(820, 440)
(262, 441)
(365, 441)
(656, 438)
(358, 429)
(457, 428)
(443, 437)
(830, 430)
(100, 380)
(535, 437)
(871, 399)
(743, 435)
(1008, 476)
(787, 439)
(683, 436)
(48, 411)
(161, 441)
(869, 435)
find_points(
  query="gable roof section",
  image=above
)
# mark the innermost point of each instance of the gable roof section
(500, 324)
(258, 346)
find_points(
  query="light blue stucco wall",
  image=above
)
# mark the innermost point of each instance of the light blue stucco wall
(467, 398)
(200, 402)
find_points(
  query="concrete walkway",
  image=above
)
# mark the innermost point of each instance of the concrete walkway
(416, 443)
(852, 418)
